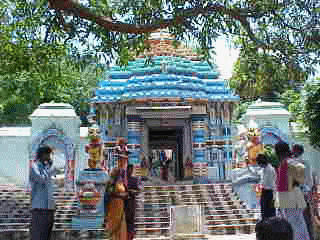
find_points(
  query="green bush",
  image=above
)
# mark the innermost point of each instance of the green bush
(271, 155)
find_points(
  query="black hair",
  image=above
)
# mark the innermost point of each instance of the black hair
(282, 148)
(261, 159)
(297, 150)
(274, 228)
(43, 149)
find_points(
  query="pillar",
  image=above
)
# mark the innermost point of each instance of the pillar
(199, 134)
(135, 132)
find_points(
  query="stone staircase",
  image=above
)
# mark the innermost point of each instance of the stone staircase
(15, 216)
(224, 214)
(152, 213)
(67, 206)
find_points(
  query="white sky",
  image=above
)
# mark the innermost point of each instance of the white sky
(226, 55)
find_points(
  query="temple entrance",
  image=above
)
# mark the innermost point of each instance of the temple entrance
(167, 144)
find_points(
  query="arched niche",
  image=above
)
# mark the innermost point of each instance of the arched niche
(64, 153)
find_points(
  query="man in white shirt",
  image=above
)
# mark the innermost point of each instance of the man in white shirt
(268, 182)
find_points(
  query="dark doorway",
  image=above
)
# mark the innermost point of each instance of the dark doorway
(162, 134)
(179, 162)
(169, 139)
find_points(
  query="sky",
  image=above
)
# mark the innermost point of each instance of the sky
(226, 55)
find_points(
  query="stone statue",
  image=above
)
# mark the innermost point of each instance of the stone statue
(254, 147)
(95, 148)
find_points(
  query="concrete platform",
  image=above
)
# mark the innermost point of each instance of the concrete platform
(234, 237)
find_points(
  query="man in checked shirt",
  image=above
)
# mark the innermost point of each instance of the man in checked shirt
(43, 204)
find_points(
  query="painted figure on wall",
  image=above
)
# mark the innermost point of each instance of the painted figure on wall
(94, 148)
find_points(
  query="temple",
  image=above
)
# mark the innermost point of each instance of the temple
(168, 100)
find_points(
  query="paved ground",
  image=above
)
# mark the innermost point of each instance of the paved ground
(234, 237)
(225, 237)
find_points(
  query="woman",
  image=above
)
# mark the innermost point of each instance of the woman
(115, 220)
(134, 184)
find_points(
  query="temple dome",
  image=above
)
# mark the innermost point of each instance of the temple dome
(167, 77)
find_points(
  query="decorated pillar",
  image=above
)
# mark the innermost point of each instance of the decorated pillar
(199, 134)
(135, 131)
(103, 120)
(228, 161)
(91, 186)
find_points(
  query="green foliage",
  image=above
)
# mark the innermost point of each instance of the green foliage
(34, 70)
(23, 92)
(241, 109)
(312, 113)
(270, 154)
(260, 73)
(34, 39)
(292, 100)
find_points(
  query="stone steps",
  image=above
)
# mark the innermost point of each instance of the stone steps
(223, 213)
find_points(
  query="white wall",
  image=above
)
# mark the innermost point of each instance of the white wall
(14, 155)
(15, 146)
(280, 122)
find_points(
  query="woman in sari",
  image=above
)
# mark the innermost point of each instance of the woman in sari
(115, 220)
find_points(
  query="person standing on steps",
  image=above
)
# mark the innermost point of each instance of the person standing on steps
(42, 203)
(134, 184)
(115, 218)
(290, 200)
(297, 152)
(268, 183)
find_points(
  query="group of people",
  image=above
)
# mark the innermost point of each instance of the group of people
(120, 201)
(285, 208)
(285, 204)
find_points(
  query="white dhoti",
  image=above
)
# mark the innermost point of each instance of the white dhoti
(296, 219)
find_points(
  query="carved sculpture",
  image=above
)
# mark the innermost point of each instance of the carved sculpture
(94, 148)
(254, 146)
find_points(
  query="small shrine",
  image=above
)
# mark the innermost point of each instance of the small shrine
(267, 115)
(57, 125)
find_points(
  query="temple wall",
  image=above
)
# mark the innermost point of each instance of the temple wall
(207, 131)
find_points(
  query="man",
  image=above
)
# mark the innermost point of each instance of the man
(274, 228)
(297, 152)
(268, 182)
(291, 201)
(43, 204)
(134, 184)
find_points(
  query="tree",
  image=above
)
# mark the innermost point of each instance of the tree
(259, 74)
(66, 82)
(34, 71)
(274, 33)
(288, 28)
(293, 101)
(312, 112)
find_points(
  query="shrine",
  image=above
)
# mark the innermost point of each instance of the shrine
(168, 101)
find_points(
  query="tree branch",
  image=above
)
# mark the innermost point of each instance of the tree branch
(108, 24)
